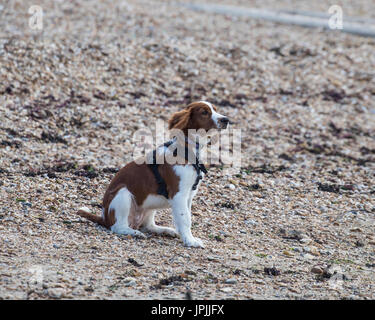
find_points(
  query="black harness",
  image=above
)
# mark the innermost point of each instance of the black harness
(162, 186)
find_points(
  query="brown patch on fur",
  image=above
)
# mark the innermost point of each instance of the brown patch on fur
(196, 115)
(179, 120)
(110, 217)
(92, 217)
(129, 177)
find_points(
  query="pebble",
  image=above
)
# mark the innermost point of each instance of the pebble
(308, 256)
(327, 252)
(314, 251)
(26, 204)
(251, 222)
(78, 292)
(231, 281)
(56, 293)
(305, 240)
(288, 253)
(213, 258)
(323, 209)
(317, 270)
(130, 282)
(235, 182)
(259, 281)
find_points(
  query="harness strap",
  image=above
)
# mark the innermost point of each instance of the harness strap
(198, 167)
(162, 186)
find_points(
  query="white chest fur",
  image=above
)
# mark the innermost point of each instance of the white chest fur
(188, 176)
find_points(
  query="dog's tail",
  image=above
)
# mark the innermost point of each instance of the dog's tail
(86, 213)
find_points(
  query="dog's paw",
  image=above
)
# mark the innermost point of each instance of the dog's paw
(139, 234)
(194, 242)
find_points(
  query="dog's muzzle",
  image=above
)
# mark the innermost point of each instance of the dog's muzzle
(224, 123)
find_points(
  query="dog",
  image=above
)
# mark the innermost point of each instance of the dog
(137, 190)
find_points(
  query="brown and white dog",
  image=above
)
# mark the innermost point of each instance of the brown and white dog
(132, 197)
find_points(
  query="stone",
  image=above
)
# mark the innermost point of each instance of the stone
(314, 251)
(56, 293)
(305, 240)
(317, 270)
(231, 281)
(259, 281)
(288, 253)
(230, 186)
(130, 282)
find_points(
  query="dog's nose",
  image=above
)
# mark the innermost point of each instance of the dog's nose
(224, 120)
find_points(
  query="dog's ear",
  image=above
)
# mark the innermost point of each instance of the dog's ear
(179, 120)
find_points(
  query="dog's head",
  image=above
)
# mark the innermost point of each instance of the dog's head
(198, 115)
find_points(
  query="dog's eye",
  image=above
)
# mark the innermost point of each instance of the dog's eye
(205, 112)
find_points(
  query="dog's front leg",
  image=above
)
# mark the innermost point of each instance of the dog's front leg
(182, 221)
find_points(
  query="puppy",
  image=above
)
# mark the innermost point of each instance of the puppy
(137, 190)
